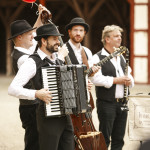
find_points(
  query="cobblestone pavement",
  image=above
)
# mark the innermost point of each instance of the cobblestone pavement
(11, 132)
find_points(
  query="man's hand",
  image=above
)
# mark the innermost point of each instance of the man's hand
(42, 8)
(62, 52)
(44, 95)
(39, 20)
(122, 80)
(95, 69)
(90, 84)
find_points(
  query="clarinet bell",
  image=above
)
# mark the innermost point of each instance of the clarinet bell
(124, 108)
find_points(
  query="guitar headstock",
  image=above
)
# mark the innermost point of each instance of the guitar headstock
(119, 51)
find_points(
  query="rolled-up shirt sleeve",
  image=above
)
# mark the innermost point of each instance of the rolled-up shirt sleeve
(25, 73)
(99, 79)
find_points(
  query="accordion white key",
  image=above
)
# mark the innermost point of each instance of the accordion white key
(68, 87)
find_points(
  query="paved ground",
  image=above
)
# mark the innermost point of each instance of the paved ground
(11, 132)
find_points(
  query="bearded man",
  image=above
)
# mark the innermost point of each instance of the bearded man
(77, 30)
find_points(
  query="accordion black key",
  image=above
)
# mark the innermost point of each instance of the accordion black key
(68, 85)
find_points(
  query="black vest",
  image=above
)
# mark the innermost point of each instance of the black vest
(16, 55)
(37, 79)
(108, 69)
(72, 55)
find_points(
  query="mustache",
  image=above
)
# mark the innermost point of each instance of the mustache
(56, 44)
(78, 36)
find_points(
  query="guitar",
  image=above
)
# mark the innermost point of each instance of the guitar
(118, 51)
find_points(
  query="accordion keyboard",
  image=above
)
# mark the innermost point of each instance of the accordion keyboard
(50, 83)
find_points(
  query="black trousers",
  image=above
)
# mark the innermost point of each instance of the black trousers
(29, 123)
(112, 122)
(55, 133)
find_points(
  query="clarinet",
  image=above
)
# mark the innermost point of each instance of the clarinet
(124, 106)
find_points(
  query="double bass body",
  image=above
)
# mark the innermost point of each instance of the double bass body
(85, 134)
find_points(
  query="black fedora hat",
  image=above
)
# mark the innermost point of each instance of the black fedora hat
(77, 21)
(47, 30)
(19, 27)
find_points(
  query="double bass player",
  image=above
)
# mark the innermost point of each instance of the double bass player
(79, 54)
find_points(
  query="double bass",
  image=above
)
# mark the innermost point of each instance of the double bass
(85, 135)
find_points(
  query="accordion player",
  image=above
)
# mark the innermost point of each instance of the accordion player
(68, 85)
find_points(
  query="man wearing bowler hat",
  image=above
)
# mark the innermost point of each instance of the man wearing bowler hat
(55, 133)
(24, 45)
(77, 29)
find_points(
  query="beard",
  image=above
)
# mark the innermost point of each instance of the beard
(52, 48)
(77, 39)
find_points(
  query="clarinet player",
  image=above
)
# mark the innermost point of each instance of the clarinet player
(110, 89)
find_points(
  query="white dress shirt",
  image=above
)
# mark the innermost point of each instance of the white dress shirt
(26, 72)
(107, 81)
(78, 53)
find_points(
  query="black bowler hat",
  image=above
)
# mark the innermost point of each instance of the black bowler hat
(47, 30)
(77, 21)
(19, 27)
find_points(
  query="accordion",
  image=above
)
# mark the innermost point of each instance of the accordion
(68, 85)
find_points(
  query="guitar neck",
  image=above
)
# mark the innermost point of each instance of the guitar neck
(102, 62)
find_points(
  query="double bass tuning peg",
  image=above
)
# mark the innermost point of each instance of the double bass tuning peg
(45, 15)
